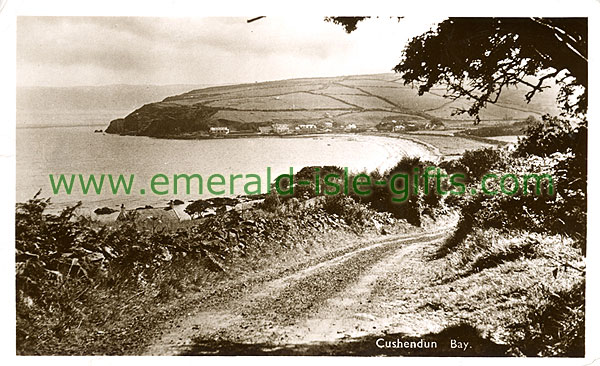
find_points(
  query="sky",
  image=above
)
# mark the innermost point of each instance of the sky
(75, 51)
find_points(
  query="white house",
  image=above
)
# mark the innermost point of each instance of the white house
(307, 128)
(264, 130)
(280, 128)
(219, 131)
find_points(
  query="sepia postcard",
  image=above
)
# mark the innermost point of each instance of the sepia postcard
(413, 184)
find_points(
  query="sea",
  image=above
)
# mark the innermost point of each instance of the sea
(53, 150)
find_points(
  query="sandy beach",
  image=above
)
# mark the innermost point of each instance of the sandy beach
(90, 153)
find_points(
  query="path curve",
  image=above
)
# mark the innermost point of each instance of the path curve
(328, 301)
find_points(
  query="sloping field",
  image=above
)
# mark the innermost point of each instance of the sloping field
(338, 89)
(501, 111)
(405, 96)
(366, 101)
(276, 116)
(363, 100)
(293, 101)
(371, 82)
(369, 118)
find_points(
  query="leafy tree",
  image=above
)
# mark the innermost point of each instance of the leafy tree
(478, 58)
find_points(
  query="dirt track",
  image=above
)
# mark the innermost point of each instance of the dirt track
(361, 292)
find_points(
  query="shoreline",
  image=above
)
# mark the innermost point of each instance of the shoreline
(394, 147)
(433, 153)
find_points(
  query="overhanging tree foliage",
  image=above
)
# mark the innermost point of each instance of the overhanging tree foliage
(478, 58)
(349, 23)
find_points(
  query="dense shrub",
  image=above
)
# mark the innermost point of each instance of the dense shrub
(272, 203)
(551, 135)
(425, 201)
(71, 273)
(554, 327)
(352, 212)
(381, 198)
(563, 212)
(552, 146)
(474, 164)
(554, 324)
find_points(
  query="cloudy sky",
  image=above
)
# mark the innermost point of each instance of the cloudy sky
(67, 51)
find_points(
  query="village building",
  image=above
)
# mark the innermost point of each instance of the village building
(265, 130)
(280, 128)
(307, 128)
(219, 131)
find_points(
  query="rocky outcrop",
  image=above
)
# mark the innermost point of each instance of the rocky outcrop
(104, 211)
(165, 119)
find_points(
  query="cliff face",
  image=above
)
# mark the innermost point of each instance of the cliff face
(164, 119)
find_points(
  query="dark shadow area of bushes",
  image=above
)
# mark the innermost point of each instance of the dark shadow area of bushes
(363, 346)
(552, 144)
(408, 206)
(555, 327)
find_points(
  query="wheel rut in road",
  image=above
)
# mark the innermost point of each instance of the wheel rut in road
(327, 301)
